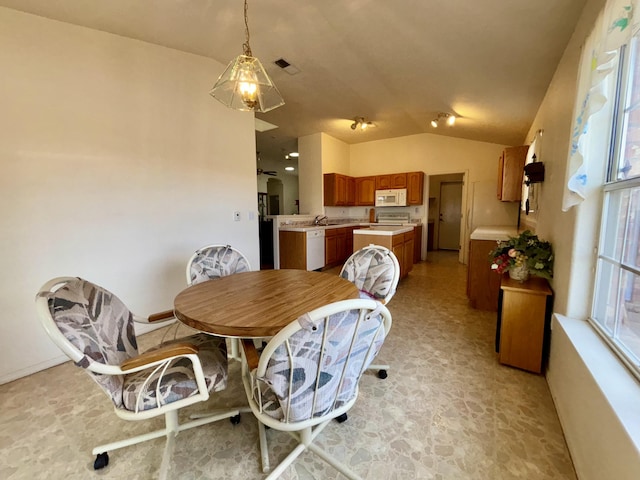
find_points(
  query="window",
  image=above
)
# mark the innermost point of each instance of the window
(616, 304)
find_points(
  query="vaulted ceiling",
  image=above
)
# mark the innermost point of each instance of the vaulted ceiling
(397, 63)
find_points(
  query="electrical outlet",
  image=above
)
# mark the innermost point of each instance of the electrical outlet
(236, 216)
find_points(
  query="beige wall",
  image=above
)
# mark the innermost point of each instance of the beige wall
(116, 165)
(310, 174)
(595, 396)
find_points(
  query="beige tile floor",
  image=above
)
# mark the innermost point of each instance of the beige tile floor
(447, 411)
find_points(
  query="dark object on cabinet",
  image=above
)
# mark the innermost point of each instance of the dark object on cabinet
(534, 173)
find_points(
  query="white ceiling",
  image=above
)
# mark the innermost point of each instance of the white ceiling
(397, 63)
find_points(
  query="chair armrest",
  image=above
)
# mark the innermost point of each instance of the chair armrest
(250, 353)
(155, 317)
(163, 353)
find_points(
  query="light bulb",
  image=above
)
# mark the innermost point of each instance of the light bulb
(451, 120)
(249, 93)
(363, 126)
(434, 123)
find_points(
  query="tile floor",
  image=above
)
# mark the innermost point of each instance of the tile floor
(447, 411)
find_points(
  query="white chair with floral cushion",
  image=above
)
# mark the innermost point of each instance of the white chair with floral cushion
(308, 374)
(375, 271)
(215, 261)
(95, 329)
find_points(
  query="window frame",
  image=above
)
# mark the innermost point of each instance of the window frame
(623, 88)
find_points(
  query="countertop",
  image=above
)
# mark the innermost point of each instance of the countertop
(407, 227)
(494, 232)
(309, 228)
(384, 230)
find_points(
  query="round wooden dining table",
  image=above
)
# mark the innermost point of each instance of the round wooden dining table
(260, 303)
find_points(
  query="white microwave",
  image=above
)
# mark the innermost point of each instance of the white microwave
(396, 197)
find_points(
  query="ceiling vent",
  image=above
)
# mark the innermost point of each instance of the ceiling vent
(287, 67)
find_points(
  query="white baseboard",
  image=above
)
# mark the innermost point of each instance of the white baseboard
(31, 369)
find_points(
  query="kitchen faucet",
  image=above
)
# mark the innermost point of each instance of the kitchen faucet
(319, 219)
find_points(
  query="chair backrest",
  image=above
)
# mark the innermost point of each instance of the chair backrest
(374, 270)
(312, 367)
(215, 261)
(91, 326)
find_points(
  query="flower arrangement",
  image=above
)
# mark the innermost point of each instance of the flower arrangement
(526, 251)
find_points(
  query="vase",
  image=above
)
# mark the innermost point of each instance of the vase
(520, 273)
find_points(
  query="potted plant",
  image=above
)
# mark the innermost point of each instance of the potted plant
(522, 256)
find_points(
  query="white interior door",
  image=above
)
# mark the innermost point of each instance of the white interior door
(450, 215)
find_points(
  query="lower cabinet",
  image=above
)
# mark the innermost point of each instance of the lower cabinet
(524, 318)
(417, 243)
(401, 244)
(338, 245)
(483, 285)
(293, 250)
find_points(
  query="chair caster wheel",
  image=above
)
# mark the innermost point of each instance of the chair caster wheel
(341, 418)
(235, 420)
(101, 461)
(382, 374)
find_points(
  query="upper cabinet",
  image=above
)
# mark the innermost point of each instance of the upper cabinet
(415, 190)
(510, 173)
(365, 191)
(335, 189)
(342, 190)
(394, 180)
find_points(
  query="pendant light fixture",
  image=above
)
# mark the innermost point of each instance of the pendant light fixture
(245, 85)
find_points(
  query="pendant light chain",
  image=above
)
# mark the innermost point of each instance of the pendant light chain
(246, 47)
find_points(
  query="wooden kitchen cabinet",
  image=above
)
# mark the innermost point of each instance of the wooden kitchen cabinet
(511, 173)
(401, 244)
(415, 188)
(341, 245)
(397, 247)
(351, 191)
(338, 245)
(330, 246)
(483, 284)
(349, 241)
(417, 243)
(338, 190)
(407, 254)
(393, 180)
(365, 191)
(522, 334)
(293, 250)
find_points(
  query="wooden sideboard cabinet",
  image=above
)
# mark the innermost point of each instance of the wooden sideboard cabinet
(524, 318)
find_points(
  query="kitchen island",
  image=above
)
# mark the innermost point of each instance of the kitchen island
(483, 285)
(397, 238)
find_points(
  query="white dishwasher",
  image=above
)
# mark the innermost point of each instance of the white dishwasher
(315, 249)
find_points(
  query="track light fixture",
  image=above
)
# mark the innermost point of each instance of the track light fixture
(360, 122)
(448, 117)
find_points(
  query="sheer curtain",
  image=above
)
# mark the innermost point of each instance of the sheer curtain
(595, 100)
